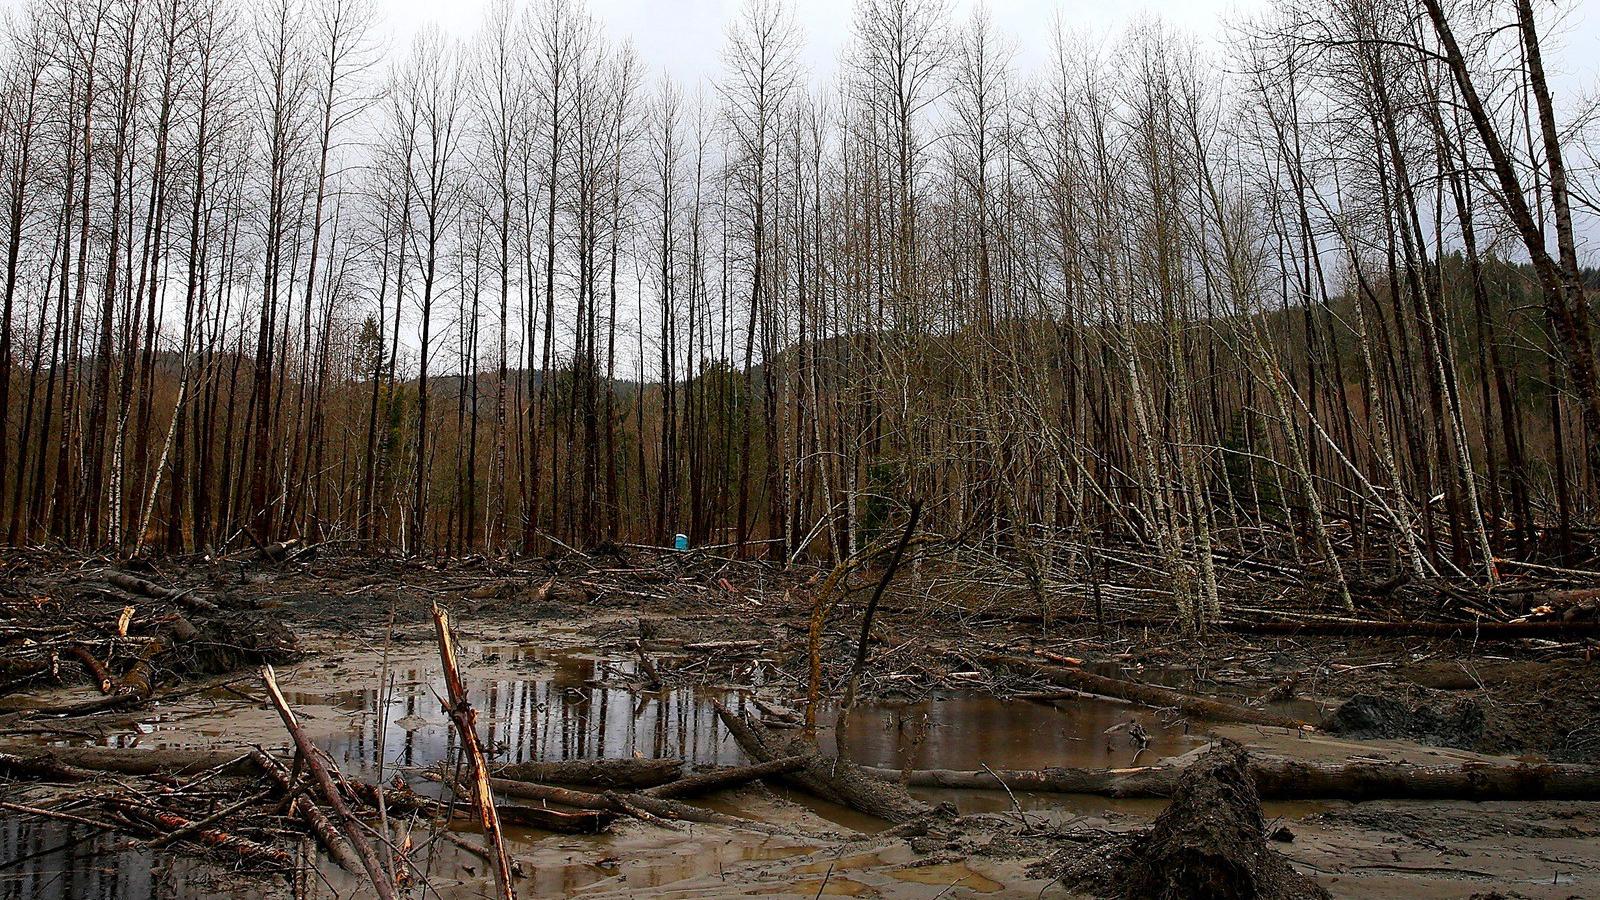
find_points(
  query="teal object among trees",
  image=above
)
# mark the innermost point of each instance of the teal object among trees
(681, 542)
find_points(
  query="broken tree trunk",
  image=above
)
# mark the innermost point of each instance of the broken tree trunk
(841, 723)
(466, 723)
(1139, 692)
(719, 779)
(611, 773)
(330, 791)
(1210, 842)
(839, 780)
(1277, 778)
(628, 805)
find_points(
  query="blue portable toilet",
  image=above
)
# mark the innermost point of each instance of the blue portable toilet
(680, 542)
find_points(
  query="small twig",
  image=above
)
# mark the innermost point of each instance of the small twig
(1026, 825)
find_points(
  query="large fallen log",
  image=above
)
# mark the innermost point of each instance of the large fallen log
(1278, 778)
(720, 779)
(1139, 692)
(130, 761)
(629, 805)
(596, 815)
(611, 773)
(585, 821)
(830, 778)
(1488, 631)
(43, 766)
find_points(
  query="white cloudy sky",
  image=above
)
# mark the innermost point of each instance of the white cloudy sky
(685, 37)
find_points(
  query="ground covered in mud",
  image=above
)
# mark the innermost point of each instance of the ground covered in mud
(1400, 765)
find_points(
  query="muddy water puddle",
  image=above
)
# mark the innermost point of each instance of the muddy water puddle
(559, 703)
(542, 704)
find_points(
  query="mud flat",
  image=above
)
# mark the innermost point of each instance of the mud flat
(629, 659)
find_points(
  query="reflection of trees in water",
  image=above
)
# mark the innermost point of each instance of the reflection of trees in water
(566, 711)
(59, 861)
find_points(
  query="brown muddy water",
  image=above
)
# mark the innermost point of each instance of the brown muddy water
(540, 703)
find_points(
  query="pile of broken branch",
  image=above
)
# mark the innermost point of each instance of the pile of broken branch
(118, 637)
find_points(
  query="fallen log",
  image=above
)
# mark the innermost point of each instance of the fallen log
(43, 766)
(399, 797)
(1488, 631)
(627, 804)
(150, 589)
(333, 843)
(719, 779)
(199, 825)
(587, 821)
(1278, 778)
(308, 754)
(139, 680)
(102, 678)
(131, 761)
(163, 821)
(1146, 694)
(59, 816)
(1327, 626)
(611, 773)
(723, 646)
(830, 778)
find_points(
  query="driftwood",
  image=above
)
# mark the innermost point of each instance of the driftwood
(1277, 778)
(586, 821)
(1146, 694)
(610, 773)
(465, 719)
(381, 884)
(839, 780)
(41, 765)
(102, 678)
(139, 680)
(719, 779)
(195, 827)
(57, 815)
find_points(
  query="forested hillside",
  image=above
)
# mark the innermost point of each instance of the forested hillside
(1313, 296)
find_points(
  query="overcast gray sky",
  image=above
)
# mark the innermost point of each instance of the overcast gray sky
(685, 37)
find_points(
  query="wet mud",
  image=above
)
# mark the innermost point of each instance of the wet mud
(563, 681)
